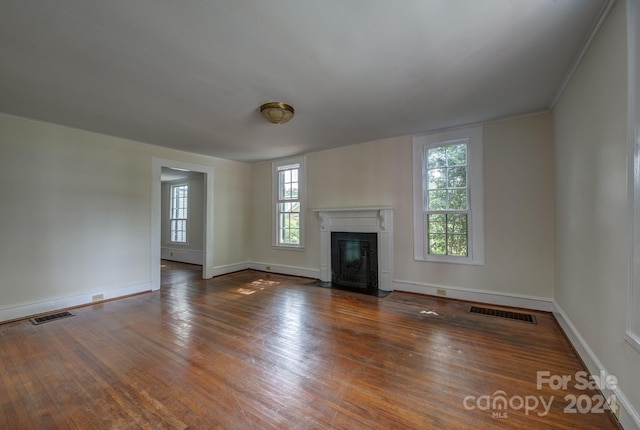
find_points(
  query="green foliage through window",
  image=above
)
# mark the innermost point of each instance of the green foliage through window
(447, 234)
(288, 205)
(446, 200)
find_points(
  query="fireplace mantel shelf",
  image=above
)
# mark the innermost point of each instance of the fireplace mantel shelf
(368, 208)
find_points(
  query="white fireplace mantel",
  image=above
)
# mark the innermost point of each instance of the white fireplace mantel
(359, 220)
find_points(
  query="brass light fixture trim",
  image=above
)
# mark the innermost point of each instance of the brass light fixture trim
(276, 112)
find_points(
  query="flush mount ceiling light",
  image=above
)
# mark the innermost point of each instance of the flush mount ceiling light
(276, 112)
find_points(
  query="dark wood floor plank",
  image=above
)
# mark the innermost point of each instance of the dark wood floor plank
(253, 350)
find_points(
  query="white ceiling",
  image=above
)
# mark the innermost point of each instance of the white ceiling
(191, 74)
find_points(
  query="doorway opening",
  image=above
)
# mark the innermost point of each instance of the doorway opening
(206, 173)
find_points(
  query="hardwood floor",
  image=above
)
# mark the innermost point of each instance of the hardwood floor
(257, 351)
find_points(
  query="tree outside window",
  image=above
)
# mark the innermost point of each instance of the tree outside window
(446, 199)
(448, 219)
(288, 197)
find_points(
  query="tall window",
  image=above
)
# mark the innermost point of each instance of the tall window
(179, 212)
(448, 218)
(446, 210)
(288, 194)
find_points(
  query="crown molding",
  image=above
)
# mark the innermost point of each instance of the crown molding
(586, 44)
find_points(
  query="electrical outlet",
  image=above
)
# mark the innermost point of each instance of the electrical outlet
(612, 401)
(441, 292)
(97, 297)
(268, 268)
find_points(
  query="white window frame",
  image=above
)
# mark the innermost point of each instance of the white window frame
(275, 168)
(171, 210)
(475, 197)
(632, 332)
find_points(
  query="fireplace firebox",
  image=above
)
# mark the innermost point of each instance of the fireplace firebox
(354, 261)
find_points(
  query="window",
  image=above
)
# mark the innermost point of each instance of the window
(288, 197)
(178, 213)
(446, 208)
(448, 218)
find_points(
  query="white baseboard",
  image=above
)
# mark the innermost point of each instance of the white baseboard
(230, 268)
(629, 417)
(182, 255)
(28, 309)
(304, 272)
(481, 296)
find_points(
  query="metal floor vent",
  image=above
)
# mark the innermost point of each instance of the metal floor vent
(52, 317)
(503, 314)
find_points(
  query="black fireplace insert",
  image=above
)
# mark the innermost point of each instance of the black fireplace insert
(354, 262)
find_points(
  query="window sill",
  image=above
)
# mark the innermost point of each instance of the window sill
(451, 260)
(288, 247)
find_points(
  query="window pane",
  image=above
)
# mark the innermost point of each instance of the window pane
(293, 237)
(457, 245)
(436, 157)
(457, 155)
(436, 223)
(289, 224)
(437, 200)
(457, 223)
(281, 185)
(294, 220)
(293, 191)
(288, 184)
(457, 177)
(457, 199)
(436, 178)
(178, 230)
(437, 244)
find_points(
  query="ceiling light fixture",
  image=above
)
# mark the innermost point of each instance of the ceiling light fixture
(276, 112)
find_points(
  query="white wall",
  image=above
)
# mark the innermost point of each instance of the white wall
(519, 198)
(591, 204)
(75, 215)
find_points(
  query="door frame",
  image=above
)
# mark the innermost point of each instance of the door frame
(157, 164)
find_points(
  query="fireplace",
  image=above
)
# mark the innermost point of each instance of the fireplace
(377, 221)
(354, 261)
